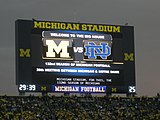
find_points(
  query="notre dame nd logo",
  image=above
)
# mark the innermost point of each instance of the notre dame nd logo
(57, 49)
(98, 50)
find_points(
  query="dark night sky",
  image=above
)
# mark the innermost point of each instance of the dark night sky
(142, 14)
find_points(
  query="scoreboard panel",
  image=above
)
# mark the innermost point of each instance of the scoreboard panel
(74, 57)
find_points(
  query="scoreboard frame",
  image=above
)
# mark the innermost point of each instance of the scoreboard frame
(26, 50)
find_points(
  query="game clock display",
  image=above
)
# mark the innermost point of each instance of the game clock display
(24, 87)
(74, 57)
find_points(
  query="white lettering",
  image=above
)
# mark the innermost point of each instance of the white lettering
(78, 49)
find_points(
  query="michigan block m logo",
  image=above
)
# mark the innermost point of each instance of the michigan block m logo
(93, 50)
(54, 49)
(24, 52)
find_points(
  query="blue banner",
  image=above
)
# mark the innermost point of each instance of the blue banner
(79, 89)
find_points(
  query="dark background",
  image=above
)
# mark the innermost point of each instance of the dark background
(29, 38)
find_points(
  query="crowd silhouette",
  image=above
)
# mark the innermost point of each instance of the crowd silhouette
(79, 108)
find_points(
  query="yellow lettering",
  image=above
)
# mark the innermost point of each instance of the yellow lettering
(37, 24)
(24, 53)
(116, 29)
(59, 25)
(63, 26)
(128, 57)
(84, 27)
(101, 28)
(69, 27)
(90, 27)
(114, 89)
(43, 88)
(95, 28)
(109, 28)
(54, 25)
(43, 25)
(105, 29)
(76, 26)
(48, 25)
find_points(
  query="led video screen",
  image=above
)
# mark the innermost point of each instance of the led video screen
(74, 57)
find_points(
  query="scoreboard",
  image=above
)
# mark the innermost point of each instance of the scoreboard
(53, 56)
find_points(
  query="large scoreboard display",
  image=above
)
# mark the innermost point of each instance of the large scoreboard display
(71, 57)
